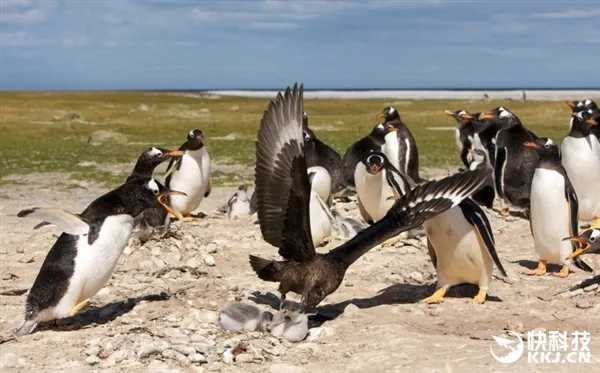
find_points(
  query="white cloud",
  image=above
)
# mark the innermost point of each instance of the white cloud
(19, 39)
(35, 15)
(569, 14)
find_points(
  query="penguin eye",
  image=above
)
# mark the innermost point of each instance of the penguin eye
(547, 146)
(592, 239)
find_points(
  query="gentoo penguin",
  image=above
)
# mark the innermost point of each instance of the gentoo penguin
(375, 141)
(144, 168)
(464, 133)
(320, 216)
(408, 154)
(487, 194)
(460, 244)
(83, 258)
(553, 214)
(291, 325)
(239, 203)
(578, 106)
(283, 196)
(514, 164)
(581, 159)
(189, 174)
(589, 241)
(241, 316)
(321, 182)
(320, 154)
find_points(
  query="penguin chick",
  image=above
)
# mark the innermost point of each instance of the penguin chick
(291, 325)
(346, 228)
(241, 316)
(239, 203)
(83, 258)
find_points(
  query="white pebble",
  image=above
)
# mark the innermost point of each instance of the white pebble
(9, 360)
(228, 357)
(209, 260)
(93, 360)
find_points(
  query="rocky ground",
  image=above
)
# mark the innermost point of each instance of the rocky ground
(159, 311)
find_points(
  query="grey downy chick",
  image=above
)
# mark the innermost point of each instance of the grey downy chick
(346, 227)
(291, 325)
(241, 316)
(239, 203)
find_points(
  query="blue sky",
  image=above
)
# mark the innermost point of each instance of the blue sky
(120, 44)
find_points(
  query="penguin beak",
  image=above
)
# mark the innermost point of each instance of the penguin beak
(584, 246)
(380, 115)
(466, 116)
(572, 104)
(470, 150)
(531, 145)
(591, 122)
(392, 129)
(486, 115)
(174, 153)
(200, 137)
(374, 169)
(450, 113)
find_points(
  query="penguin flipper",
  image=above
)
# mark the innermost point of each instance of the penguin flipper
(476, 217)
(363, 212)
(209, 188)
(432, 254)
(571, 197)
(500, 158)
(64, 220)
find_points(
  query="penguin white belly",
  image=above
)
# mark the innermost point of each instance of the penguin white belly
(373, 191)
(550, 216)
(457, 138)
(461, 255)
(192, 178)
(240, 208)
(320, 225)
(321, 181)
(94, 264)
(581, 159)
(391, 149)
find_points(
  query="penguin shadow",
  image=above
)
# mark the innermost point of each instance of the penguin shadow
(395, 294)
(101, 315)
(530, 264)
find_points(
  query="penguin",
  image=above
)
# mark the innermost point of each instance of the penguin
(486, 195)
(290, 325)
(581, 159)
(191, 175)
(320, 217)
(83, 258)
(360, 149)
(239, 203)
(513, 163)
(320, 154)
(464, 133)
(578, 106)
(144, 168)
(553, 213)
(378, 185)
(345, 227)
(321, 182)
(241, 316)
(406, 146)
(589, 241)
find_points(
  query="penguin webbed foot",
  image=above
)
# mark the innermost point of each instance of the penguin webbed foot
(436, 297)
(563, 273)
(480, 297)
(78, 307)
(539, 271)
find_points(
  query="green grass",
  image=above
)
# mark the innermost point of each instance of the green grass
(35, 138)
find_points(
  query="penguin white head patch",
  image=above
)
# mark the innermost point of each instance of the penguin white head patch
(191, 133)
(595, 234)
(579, 115)
(155, 152)
(392, 110)
(462, 112)
(549, 142)
(579, 104)
(153, 186)
(588, 102)
(505, 114)
(380, 126)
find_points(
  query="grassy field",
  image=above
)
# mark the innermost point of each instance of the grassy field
(37, 137)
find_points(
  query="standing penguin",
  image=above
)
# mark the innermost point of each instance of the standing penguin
(486, 195)
(464, 133)
(581, 159)
(189, 174)
(321, 220)
(408, 154)
(320, 154)
(83, 258)
(553, 210)
(144, 168)
(363, 147)
(514, 164)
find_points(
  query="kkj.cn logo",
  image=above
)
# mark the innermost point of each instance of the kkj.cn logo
(543, 347)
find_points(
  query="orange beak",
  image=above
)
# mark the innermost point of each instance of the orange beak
(393, 129)
(175, 153)
(486, 115)
(571, 103)
(200, 137)
(467, 116)
(531, 145)
(584, 246)
(449, 113)
(380, 115)
(591, 122)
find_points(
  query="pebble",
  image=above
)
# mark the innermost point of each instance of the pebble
(202, 348)
(193, 262)
(172, 354)
(9, 360)
(93, 360)
(173, 333)
(156, 251)
(117, 356)
(146, 266)
(127, 251)
(417, 276)
(211, 248)
(320, 333)
(285, 368)
(243, 358)
(184, 349)
(209, 260)
(214, 367)
(148, 349)
(197, 358)
(515, 326)
(592, 287)
(94, 351)
(228, 357)
(157, 366)
(351, 310)
(158, 263)
(583, 303)
(575, 293)
(312, 347)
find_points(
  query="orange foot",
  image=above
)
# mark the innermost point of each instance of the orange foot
(564, 272)
(540, 270)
